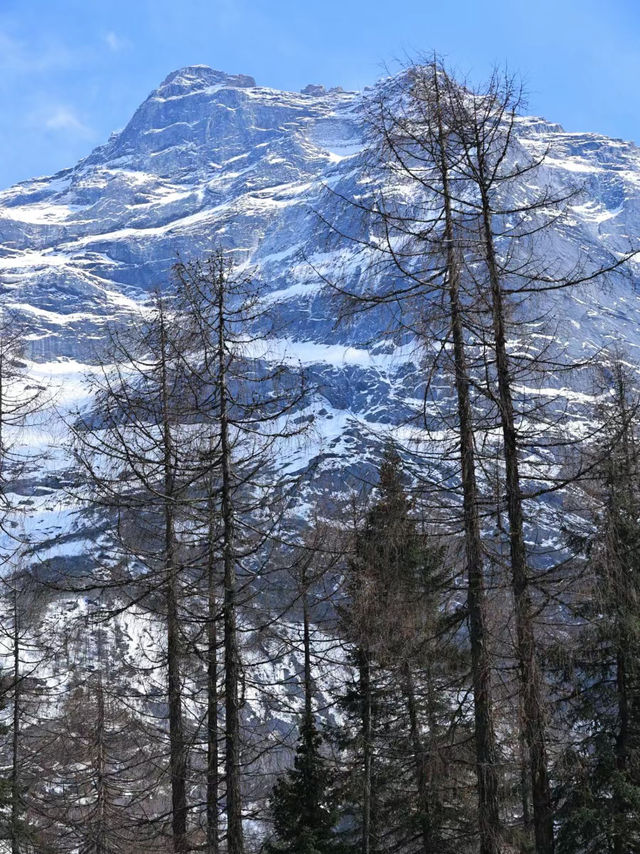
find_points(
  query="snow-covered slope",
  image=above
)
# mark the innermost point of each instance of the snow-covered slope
(207, 158)
(211, 158)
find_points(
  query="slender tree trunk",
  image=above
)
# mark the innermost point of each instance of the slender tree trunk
(235, 839)
(178, 762)
(308, 686)
(525, 782)
(420, 763)
(532, 695)
(366, 720)
(101, 795)
(176, 734)
(15, 740)
(486, 761)
(212, 696)
(624, 599)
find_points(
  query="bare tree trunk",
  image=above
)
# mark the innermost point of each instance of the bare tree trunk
(486, 764)
(419, 759)
(308, 687)
(101, 794)
(15, 740)
(212, 699)
(364, 676)
(534, 722)
(178, 763)
(525, 782)
(176, 734)
(624, 666)
(235, 839)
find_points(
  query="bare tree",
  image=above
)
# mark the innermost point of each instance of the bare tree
(410, 126)
(507, 248)
(137, 460)
(459, 220)
(244, 397)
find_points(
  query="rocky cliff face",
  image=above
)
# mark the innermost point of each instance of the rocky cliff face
(208, 158)
(211, 158)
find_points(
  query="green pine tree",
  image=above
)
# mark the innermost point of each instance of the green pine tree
(304, 820)
(398, 712)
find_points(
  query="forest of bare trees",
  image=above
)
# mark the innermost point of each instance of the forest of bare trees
(406, 666)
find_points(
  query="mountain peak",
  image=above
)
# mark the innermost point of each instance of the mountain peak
(195, 77)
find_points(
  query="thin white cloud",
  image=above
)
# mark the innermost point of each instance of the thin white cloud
(64, 118)
(115, 42)
(61, 118)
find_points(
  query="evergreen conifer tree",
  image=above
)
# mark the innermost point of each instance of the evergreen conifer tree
(304, 818)
(402, 793)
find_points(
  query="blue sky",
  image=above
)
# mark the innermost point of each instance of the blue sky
(71, 71)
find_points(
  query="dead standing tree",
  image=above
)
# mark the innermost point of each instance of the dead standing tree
(419, 241)
(507, 257)
(245, 395)
(458, 220)
(136, 458)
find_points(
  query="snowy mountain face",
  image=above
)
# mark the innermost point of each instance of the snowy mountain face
(208, 160)
(213, 159)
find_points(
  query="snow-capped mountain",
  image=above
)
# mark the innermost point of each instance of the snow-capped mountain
(213, 159)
